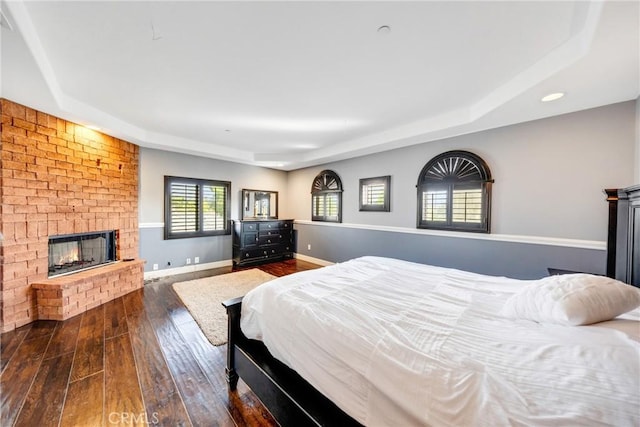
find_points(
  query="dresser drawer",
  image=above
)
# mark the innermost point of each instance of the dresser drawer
(269, 226)
(249, 226)
(278, 250)
(250, 254)
(286, 225)
(249, 239)
(274, 232)
(271, 239)
(264, 252)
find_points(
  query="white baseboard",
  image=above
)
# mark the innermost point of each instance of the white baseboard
(313, 260)
(148, 275)
(156, 274)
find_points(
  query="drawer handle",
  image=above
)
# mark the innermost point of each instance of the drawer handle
(269, 241)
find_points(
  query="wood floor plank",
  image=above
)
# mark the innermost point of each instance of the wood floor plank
(194, 386)
(84, 405)
(115, 320)
(211, 359)
(244, 407)
(89, 357)
(160, 393)
(64, 338)
(168, 367)
(41, 328)
(133, 304)
(9, 343)
(18, 376)
(44, 402)
(207, 355)
(123, 397)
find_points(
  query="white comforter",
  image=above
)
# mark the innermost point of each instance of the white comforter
(394, 343)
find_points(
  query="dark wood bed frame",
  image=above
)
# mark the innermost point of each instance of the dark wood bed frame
(291, 400)
(294, 402)
(623, 241)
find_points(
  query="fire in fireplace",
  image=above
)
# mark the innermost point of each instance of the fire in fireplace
(74, 252)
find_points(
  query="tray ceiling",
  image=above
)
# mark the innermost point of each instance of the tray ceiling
(293, 84)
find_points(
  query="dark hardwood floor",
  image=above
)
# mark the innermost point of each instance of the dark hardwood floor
(138, 360)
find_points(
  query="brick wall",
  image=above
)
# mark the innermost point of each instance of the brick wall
(57, 178)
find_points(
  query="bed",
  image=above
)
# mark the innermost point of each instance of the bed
(379, 341)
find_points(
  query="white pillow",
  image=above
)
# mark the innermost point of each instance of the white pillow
(572, 299)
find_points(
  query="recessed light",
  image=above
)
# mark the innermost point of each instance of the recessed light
(385, 29)
(552, 97)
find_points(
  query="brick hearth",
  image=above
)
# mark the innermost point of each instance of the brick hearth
(63, 297)
(59, 177)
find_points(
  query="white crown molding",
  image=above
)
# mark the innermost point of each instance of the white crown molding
(455, 122)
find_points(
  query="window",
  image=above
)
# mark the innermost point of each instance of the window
(326, 197)
(195, 207)
(454, 193)
(374, 194)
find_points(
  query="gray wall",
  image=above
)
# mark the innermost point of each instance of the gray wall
(549, 180)
(154, 165)
(498, 258)
(549, 176)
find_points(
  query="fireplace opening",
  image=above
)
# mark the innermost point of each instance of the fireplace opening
(74, 252)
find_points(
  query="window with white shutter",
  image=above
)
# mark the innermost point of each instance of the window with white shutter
(454, 193)
(374, 194)
(326, 197)
(196, 207)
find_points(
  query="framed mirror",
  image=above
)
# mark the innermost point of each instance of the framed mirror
(259, 204)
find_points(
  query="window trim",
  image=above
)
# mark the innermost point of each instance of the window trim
(320, 188)
(386, 205)
(200, 183)
(448, 181)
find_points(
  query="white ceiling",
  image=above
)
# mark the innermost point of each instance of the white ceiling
(298, 83)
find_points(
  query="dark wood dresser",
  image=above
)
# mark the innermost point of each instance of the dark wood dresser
(259, 241)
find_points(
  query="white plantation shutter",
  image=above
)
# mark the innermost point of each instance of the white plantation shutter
(454, 193)
(196, 207)
(184, 208)
(213, 208)
(326, 197)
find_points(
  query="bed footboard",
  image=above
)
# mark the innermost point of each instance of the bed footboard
(291, 400)
(234, 333)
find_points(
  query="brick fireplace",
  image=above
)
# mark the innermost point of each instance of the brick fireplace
(60, 178)
(71, 253)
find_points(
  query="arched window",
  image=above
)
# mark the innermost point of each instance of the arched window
(326, 197)
(454, 193)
